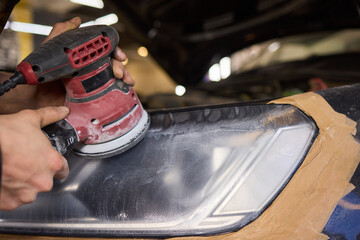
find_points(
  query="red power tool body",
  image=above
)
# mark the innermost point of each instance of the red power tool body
(102, 108)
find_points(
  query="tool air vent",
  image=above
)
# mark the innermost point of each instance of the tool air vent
(88, 52)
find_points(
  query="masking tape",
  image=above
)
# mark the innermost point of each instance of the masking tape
(304, 206)
(306, 203)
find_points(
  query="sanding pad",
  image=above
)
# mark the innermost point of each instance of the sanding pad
(118, 145)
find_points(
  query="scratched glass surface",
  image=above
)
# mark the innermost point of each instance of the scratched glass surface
(197, 171)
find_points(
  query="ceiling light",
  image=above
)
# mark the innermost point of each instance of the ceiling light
(92, 3)
(274, 46)
(109, 19)
(30, 28)
(214, 73)
(180, 90)
(45, 30)
(142, 51)
(225, 67)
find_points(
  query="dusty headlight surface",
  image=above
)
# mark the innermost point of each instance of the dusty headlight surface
(200, 171)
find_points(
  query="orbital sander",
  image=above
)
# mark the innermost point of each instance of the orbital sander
(106, 116)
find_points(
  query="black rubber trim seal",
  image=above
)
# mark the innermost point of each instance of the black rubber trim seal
(345, 100)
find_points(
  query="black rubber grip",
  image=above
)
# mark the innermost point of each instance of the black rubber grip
(6, 86)
(14, 80)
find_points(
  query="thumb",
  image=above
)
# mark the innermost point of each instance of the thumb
(50, 115)
(62, 27)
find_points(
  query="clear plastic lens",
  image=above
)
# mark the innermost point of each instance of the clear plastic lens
(196, 172)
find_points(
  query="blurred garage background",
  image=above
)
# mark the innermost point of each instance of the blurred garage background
(184, 53)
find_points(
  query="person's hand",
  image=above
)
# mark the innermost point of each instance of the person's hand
(29, 162)
(118, 67)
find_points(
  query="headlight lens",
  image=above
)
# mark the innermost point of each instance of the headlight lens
(202, 171)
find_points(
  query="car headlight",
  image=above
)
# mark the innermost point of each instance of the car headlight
(199, 171)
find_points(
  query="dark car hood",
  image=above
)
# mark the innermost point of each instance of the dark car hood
(187, 36)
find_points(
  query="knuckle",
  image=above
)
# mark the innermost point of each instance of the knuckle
(56, 161)
(28, 197)
(119, 72)
(27, 113)
(10, 205)
(30, 116)
(126, 74)
(50, 110)
(58, 25)
(45, 186)
(127, 77)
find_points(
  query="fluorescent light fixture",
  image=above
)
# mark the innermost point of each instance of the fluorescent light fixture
(45, 30)
(203, 171)
(30, 28)
(90, 3)
(225, 67)
(214, 73)
(109, 19)
(220, 70)
(180, 90)
(90, 23)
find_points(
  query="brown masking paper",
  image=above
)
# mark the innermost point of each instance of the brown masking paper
(306, 203)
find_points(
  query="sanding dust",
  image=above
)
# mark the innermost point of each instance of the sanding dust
(305, 205)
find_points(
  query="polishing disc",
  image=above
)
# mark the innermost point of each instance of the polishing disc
(117, 145)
